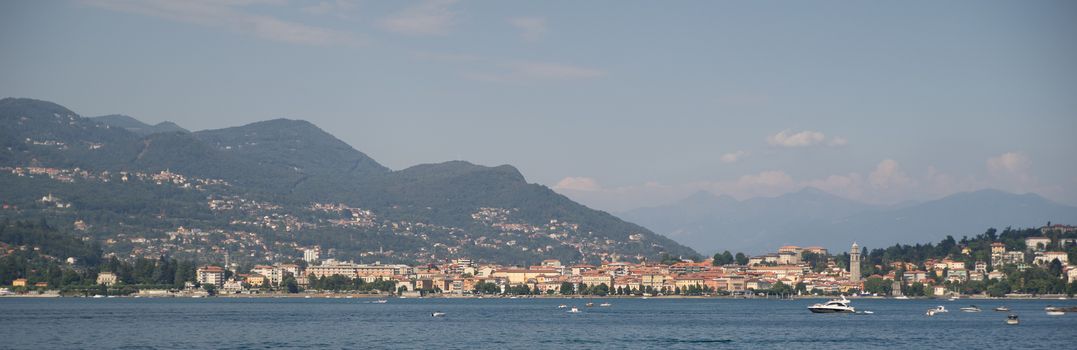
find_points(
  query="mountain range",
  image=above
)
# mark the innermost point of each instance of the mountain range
(711, 223)
(287, 167)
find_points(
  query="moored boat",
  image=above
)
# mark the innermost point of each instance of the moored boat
(1002, 309)
(1012, 320)
(1054, 311)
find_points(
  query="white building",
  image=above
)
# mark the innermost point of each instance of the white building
(1037, 243)
(210, 274)
(107, 278)
(1045, 258)
(312, 255)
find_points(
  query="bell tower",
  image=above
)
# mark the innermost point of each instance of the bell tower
(854, 263)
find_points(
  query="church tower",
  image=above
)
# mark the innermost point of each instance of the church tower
(854, 263)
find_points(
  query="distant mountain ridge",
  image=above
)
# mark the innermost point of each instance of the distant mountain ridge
(711, 223)
(137, 126)
(292, 164)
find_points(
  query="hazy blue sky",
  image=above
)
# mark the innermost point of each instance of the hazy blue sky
(618, 104)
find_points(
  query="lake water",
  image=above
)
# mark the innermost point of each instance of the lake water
(233, 323)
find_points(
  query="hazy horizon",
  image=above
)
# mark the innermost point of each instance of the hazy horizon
(880, 103)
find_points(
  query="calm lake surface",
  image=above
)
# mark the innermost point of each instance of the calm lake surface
(233, 323)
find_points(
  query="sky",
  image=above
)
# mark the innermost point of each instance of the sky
(616, 104)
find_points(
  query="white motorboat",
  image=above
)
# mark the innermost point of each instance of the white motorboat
(1054, 311)
(562, 306)
(1002, 309)
(937, 310)
(1012, 320)
(833, 306)
(574, 310)
(604, 304)
(971, 308)
(437, 314)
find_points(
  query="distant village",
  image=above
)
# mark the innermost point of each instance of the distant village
(784, 272)
(445, 270)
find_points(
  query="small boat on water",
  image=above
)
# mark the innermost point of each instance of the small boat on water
(379, 301)
(971, 308)
(951, 299)
(437, 314)
(605, 304)
(937, 310)
(901, 297)
(1002, 309)
(574, 310)
(1012, 320)
(833, 306)
(589, 304)
(562, 306)
(1054, 311)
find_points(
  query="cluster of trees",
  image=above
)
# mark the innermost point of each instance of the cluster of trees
(338, 283)
(42, 255)
(48, 240)
(1028, 281)
(877, 261)
(726, 258)
(1048, 279)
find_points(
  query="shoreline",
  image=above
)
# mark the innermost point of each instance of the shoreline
(376, 296)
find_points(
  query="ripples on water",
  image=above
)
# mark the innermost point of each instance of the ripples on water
(232, 323)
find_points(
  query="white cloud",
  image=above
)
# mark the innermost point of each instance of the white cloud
(788, 138)
(577, 183)
(1010, 171)
(886, 183)
(531, 28)
(431, 17)
(888, 175)
(230, 15)
(533, 71)
(733, 157)
(1008, 163)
